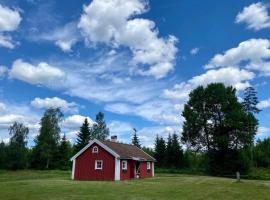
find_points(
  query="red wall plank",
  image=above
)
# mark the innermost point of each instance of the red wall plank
(129, 173)
(85, 165)
(143, 170)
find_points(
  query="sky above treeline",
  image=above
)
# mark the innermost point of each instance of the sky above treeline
(134, 60)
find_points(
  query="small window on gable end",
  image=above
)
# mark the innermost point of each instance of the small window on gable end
(148, 165)
(124, 165)
(95, 149)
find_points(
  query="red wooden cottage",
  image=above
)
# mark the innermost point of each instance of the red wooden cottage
(110, 160)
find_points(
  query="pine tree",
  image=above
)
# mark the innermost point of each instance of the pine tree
(17, 150)
(100, 130)
(169, 152)
(47, 142)
(160, 151)
(64, 154)
(3, 155)
(177, 152)
(83, 137)
(250, 100)
(135, 139)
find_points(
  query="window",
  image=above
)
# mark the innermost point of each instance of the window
(98, 164)
(124, 165)
(95, 149)
(148, 165)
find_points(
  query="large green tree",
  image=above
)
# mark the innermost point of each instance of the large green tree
(84, 136)
(135, 139)
(100, 130)
(17, 150)
(216, 122)
(47, 142)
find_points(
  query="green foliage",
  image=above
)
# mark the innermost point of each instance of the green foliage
(135, 139)
(149, 151)
(160, 151)
(217, 123)
(250, 100)
(3, 155)
(83, 137)
(100, 130)
(64, 154)
(262, 153)
(45, 151)
(16, 150)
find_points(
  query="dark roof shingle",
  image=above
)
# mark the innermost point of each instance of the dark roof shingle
(128, 151)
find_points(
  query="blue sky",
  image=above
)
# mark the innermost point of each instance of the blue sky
(134, 60)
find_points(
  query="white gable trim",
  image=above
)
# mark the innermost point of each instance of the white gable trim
(146, 153)
(98, 143)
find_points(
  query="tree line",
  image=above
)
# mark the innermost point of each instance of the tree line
(51, 151)
(218, 137)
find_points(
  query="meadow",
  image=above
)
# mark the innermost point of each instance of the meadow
(47, 185)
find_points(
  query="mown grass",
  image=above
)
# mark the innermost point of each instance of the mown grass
(57, 185)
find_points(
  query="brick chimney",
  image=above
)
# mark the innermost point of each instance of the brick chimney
(114, 138)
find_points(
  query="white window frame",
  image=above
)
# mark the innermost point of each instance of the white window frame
(95, 149)
(148, 165)
(124, 166)
(96, 165)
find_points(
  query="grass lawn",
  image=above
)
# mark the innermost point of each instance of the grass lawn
(57, 185)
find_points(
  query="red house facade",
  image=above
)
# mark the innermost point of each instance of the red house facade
(108, 160)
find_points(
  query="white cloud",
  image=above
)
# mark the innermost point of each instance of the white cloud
(239, 78)
(55, 102)
(263, 131)
(147, 135)
(42, 73)
(3, 71)
(160, 111)
(255, 16)
(2, 107)
(253, 54)
(264, 104)
(9, 19)
(74, 122)
(194, 51)
(120, 129)
(64, 37)
(6, 41)
(113, 22)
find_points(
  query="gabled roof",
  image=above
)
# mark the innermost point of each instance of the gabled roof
(128, 151)
(119, 150)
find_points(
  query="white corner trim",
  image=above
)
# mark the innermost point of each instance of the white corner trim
(73, 169)
(153, 169)
(117, 170)
(100, 144)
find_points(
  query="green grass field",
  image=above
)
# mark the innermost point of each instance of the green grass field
(57, 185)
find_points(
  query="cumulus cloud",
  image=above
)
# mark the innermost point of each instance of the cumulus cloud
(239, 78)
(9, 21)
(55, 102)
(264, 104)
(113, 22)
(253, 54)
(74, 122)
(255, 16)
(42, 73)
(263, 131)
